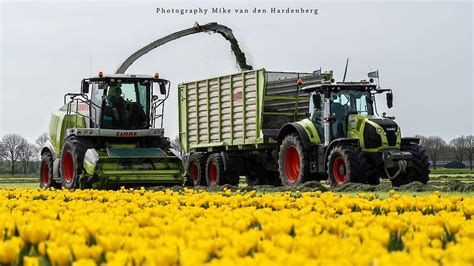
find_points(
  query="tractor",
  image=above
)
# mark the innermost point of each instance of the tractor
(111, 133)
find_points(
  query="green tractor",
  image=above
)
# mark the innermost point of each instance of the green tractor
(107, 134)
(345, 141)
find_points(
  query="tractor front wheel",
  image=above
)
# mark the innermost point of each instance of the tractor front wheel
(72, 158)
(419, 169)
(346, 164)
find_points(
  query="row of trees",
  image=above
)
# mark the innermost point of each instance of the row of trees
(458, 149)
(16, 150)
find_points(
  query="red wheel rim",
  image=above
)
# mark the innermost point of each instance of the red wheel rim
(213, 174)
(292, 164)
(44, 173)
(194, 173)
(68, 166)
(339, 171)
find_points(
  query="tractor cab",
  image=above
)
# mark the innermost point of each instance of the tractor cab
(334, 107)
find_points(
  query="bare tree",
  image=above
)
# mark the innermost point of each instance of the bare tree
(41, 140)
(27, 154)
(469, 149)
(10, 149)
(434, 145)
(175, 144)
(458, 146)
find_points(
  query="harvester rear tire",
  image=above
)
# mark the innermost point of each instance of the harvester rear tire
(46, 171)
(293, 162)
(72, 158)
(195, 167)
(418, 171)
(346, 164)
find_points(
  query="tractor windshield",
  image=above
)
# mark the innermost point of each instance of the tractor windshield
(352, 102)
(125, 104)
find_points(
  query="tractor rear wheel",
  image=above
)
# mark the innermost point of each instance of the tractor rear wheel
(293, 163)
(418, 171)
(72, 158)
(346, 164)
(195, 167)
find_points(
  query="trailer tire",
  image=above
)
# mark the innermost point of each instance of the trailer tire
(214, 170)
(293, 162)
(420, 169)
(346, 164)
(72, 158)
(195, 167)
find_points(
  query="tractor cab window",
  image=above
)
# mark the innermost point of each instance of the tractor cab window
(316, 111)
(126, 104)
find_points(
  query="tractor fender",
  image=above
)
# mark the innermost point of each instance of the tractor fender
(48, 147)
(337, 142)
(410, 140)
(294, 128)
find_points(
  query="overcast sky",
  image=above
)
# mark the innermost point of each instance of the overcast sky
(424, 52)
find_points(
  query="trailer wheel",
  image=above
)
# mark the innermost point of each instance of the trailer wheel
(420, 169)
(46, 171)
(214, 170)
(72, 158)
(195, 167)
(346, 164)
(293, 162)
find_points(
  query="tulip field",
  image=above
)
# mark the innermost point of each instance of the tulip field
(233, 227)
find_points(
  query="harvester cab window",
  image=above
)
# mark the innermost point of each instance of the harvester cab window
(339, 106)
(126, 105)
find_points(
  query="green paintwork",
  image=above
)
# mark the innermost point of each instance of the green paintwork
(59, 123)
(216, 96)
(311, 130)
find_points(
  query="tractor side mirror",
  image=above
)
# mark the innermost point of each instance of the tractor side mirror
(84, 87)
(389, 100)
(317, 100)
(162, 88)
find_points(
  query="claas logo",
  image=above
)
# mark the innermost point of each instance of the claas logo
(126, 134)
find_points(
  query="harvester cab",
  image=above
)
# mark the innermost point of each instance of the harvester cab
(111, 132)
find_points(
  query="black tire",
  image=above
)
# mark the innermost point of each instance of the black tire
(214, 170)
(46, 170)
(195, 169)
(72, 158)
(293, 162)
(215, 173)
(418, 171)
(346, 164)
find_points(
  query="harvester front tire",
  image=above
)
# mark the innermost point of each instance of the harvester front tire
(293, 162)
(195, 167)
(346, 164)
(72, 158)
(418, 171)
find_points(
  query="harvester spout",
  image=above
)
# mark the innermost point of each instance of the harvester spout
(212, 27)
